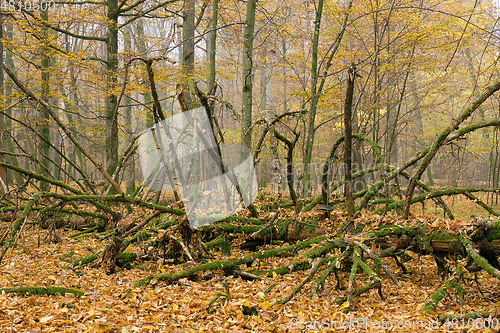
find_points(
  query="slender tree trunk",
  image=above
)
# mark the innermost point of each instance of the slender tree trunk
(188, 30)
(263, 84)
(188, 36)
(289, 164)
(311, 128)
(74, 98)
(376, 64)
(246, 106)
(6, 139)
(140, 41)
(111, 143)
(213, 44)
(130, 167)
(358, 184)
(351, 75)
(283, 45)
(3, 170)
(45, 95)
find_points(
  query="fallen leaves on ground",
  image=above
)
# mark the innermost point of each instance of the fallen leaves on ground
(113, 304)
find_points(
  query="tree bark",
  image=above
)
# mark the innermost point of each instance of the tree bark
(45, 95)
(213, 45)
(140, 41)
(246, 106)
(111, 116)
(129, 173)
(313, 104)
(6, 137)
(351, 75)
(187, 97)
(3, 170)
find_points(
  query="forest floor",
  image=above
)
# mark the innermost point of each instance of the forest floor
(113, 304)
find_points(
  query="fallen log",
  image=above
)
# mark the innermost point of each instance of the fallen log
(22, 291)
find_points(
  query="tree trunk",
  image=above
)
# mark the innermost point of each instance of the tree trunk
(129, 173)
(140, 41)
(213, 45)
(9, 61)
(45, 95)
(376, 64)
(313, 104)
(283, 46)
(187, 96)
(6, 137)
(3, 170)
(111, 142)
(351, 75)
(246, 104)
(70, 105)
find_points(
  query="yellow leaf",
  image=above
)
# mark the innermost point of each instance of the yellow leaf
(91, 312)
(264, 305)
(432, 313)
(274, 274)
(345, 305)
(64, 310)
(46, 319)
(175, 306)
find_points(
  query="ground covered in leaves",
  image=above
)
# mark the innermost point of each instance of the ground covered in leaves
(113, 304)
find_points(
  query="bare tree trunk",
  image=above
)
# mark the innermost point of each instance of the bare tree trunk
(140, 41)
(213, 45)
(284, 75)
(187, 95)
(6, 135)
(313, 104)
(111, 142)
(351, 75)
(129, 173)
(246, 104)
(376, 64)
(3, 170)
(289, 165)
(45, 95)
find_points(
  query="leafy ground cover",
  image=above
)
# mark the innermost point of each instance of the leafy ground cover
(214, 302)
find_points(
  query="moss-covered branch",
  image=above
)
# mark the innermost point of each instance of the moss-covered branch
(439, 294)
(21, 291)
(230, 263)
(478, 259)
(18, 223)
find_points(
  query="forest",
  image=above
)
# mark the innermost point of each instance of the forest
(249, 166)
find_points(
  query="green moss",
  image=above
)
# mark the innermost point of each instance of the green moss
(126, 257)
(21, 291)
(495, 231)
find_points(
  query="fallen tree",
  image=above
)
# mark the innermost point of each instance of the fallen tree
(358, 256)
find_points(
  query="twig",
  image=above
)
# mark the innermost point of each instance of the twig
(378, 261)
(313, 271)
(184, 247)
